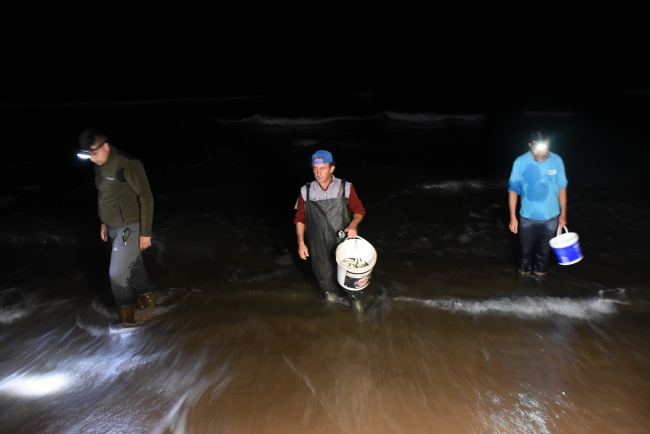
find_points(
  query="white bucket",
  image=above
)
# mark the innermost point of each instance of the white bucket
(355, 279)
(566, 247)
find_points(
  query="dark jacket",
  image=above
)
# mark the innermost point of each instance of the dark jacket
(124, 194)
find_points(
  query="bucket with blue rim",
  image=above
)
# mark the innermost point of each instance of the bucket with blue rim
(566, 246)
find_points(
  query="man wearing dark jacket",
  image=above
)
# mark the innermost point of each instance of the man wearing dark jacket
(126, 214)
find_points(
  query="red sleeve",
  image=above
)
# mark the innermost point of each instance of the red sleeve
(300, 211)
(354, 204)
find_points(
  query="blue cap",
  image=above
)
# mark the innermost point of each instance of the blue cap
(323, 157)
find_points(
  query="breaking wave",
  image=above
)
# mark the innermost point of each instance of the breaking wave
(526, 307)
(422, 118)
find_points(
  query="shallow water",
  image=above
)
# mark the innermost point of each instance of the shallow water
(452, 340)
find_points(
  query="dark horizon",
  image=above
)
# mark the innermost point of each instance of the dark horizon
(424, 50)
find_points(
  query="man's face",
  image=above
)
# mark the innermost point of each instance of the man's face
(99, 154)
(323, 172)
(539, 150)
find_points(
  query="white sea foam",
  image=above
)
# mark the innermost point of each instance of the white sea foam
(18, 311)
(525, 307)
(7, 316)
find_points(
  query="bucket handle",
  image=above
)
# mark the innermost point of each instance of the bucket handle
(559, 230)
(355, 238)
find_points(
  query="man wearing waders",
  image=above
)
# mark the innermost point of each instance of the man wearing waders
(126, 214)
(325, 207)
(538, 177)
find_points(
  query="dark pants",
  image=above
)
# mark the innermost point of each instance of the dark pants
(534, 236)
(325, 271)
(126, 272)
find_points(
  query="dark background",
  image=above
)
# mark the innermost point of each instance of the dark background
(436, 49)
(155, 79)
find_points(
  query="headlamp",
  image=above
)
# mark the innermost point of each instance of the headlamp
(87, 153)
(540, 146)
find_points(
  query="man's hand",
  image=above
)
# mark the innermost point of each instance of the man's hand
(351, 230)
(514, 225)
(103, 232)
(562, 221)
(303, 251)
(145, 242)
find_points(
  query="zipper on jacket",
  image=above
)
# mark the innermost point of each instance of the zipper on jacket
(121, 215)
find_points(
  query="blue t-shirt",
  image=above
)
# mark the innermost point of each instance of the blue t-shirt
(538, 184)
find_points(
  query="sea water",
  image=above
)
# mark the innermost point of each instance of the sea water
(453, 339)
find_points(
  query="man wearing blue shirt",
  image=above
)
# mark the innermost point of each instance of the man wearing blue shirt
(538, 177)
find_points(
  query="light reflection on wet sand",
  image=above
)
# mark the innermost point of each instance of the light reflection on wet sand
(447, 346)
(278, 361)
(420, 371)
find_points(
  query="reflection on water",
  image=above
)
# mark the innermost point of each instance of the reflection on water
(256, 361)
(453, 340)
(34, 385)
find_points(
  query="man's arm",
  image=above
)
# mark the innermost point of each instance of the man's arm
(514, 189)
(358, 212)
(103, 232)
(351, 230)
(302, 247)
(299, 221)
(512, 203)
(562, 199)
(137, 179)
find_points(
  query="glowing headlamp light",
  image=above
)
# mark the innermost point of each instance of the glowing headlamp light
(540, 146)
(83, 155)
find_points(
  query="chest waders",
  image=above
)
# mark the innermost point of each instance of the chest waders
(325, 218)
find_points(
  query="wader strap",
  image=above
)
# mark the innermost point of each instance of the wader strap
(342, 189)
(307, 188)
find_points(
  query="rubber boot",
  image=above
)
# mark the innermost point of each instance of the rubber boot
(126, 314)
(357, 308)
(330, 302)
(541, 275)
(147, 300)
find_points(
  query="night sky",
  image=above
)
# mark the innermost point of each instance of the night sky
(113, 52)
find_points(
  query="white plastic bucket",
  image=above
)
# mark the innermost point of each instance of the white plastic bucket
(566, 247)
(355, 279)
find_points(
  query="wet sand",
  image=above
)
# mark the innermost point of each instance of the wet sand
(277, 360)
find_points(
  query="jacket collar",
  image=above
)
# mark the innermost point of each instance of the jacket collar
(112, 153)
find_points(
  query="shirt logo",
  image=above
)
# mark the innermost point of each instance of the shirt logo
(552, 172)
(112, 179)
